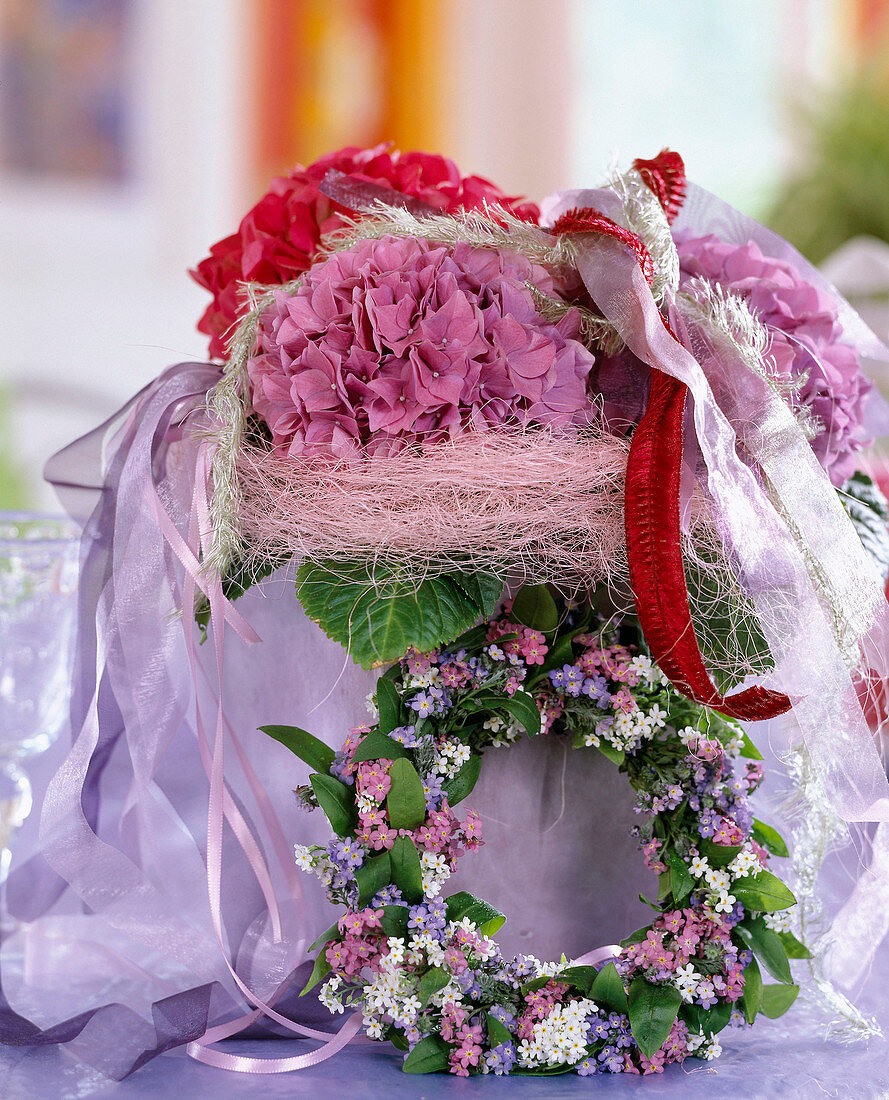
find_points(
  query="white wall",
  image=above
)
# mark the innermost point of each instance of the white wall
(94, 295)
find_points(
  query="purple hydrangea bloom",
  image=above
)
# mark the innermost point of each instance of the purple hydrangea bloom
(400, 339)
(806, 341)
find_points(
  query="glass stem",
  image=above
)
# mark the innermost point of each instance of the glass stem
(15, 805)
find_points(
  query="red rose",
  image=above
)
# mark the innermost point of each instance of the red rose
(278, 238)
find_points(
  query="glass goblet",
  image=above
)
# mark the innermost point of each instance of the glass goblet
(38, 586)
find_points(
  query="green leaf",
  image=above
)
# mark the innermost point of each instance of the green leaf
(488, 919)
(636, 937)
(752, 997)
(776, 999)
(433, 980)
(718, 855)
(681, 881)
(377, 746)
(406, 871)
(336, 800)
(608, 989)
(727, 629)
(581, 977)
(749, 750)
(769, 838)
(378, 616)
(535, 607)
(372, 876)
(498, 1032)
(430, 1055)
(315, 753)
(664, 886)
(562, 653)
(319, 972)
(767, 946)
(484, 589)
(324, 938)
(615, 755)
(388, 705)
(763, 892)
(394, 1036)
(867, 508)
(463, 782)
(405, 801)
(652, 1010)
(523, 709)
(394, 919)
(793, 947)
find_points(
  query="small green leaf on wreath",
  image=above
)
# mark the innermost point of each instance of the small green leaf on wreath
(748, 749)
(485, 917)
(324, 938)
(405, 801)
(776, 999)
(433, 980)
(319, 972)
(611, 752)
(464, 781)
(430, 1055)
(608, 989)
(770, 839)
(315, 753)
(652, 1011)
(767, 947)
(407, 873)
(388, 706)
(497, 1032)
(763, 892)
(394, 919)
(752, 998)
(793, 947)
(372, 876)
(377, 746)
(681, 881)
(581, 977)
(535, 607)
(335, 799)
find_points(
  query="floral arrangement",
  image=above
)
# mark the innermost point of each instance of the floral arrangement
(433, 395)
(424, 969)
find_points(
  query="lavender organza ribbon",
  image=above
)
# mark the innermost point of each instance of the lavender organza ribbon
(133, 689)
(818, 597)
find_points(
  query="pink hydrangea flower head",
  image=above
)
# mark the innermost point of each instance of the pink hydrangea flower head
(806, 341)
(397, 340)
(278, 238)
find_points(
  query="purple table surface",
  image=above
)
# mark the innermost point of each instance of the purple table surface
(773, 1059)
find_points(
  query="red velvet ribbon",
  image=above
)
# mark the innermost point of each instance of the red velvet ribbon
(651, 509)
(654, 554)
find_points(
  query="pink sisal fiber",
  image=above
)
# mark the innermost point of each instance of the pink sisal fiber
(541, 502)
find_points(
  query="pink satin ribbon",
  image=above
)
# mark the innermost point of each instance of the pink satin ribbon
(597, 955)
(221, 805)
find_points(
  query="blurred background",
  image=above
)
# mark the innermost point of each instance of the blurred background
(135, 133)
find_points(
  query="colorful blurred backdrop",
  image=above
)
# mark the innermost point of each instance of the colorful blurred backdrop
(134, 133)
